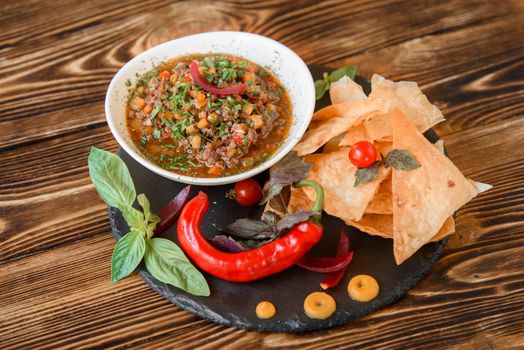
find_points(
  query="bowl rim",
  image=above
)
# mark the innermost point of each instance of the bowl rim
(205, 181)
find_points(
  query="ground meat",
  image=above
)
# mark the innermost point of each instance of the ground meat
(234, 122)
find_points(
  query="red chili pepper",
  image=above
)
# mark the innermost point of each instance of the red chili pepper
(334, 278)
(171, 210)
(248, 265)
(207, 86)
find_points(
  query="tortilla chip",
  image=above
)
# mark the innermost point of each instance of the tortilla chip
(425, 197)
(382, 202)
(355, 134)
(382, 225)
(439, 145)
(481, 187)
(333, 144)
(379, 127)
(336, 174)
(407, 96)
(299, 200)
(327, 127)
(446, 230)
(375, 224)
(350, 108)
(383, 147)
(345, 89)
(314, 138)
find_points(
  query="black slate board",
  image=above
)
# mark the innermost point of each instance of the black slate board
(233, 304)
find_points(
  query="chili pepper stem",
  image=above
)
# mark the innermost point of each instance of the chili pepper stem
(319, 201)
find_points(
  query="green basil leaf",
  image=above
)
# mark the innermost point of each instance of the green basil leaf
(365, 175)
(127, 254)
(168, 263)
(111, 178)
(320, 88)
(401, 159)
(150, 219)
(146, 207)
(155, 219)
(144, 203)
(350, 71)
(150, 229)
(134, 218)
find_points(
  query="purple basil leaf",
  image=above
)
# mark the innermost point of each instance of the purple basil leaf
(280, 201)
(291, 220)
(289, 170)
(226, 244)
(365, 175)
(252, 244)
(251, 229)
(270, 217)
(269, 191)
(401, 159)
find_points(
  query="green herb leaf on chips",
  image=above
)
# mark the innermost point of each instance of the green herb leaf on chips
(365, 175)
(401, 159)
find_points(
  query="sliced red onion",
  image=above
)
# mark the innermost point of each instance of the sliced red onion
(334, 278)
(207, 86)
(171, 210)
(325, 265)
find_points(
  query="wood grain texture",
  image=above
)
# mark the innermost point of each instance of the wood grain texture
(56, 60)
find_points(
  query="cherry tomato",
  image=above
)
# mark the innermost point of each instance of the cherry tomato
(363, 154)
(247, 192)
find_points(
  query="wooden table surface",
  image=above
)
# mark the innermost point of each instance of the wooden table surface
(56, 60)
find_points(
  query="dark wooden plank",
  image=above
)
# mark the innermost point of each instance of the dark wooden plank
(56, 59)
(45, 203)
(64, 87)
(63, 298)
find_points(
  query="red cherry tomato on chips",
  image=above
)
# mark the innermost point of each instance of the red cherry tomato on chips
(363, 154)
(247, 192)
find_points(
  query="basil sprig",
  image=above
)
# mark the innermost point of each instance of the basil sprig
(163, 258)
(322, 86)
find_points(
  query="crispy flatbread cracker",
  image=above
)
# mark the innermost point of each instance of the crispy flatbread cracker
(409, 98)
(299, 200)
(439, 145)
(374, 224)
(481, 187)
(314, 138)
(382, 225)
(382, 202)
(336, 174)
(355, 134)
(446, 230)
(333, 144)
(345, 89)
(383, 147)
(379, 127)
(423, 198)
(350, 108)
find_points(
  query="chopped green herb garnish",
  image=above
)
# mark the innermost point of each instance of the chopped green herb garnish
(155, 111)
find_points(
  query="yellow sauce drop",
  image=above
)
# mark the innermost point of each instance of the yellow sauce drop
(319, 305)
(363, 288)
(265, 310)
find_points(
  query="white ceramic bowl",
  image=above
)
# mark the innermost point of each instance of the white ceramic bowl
(284, 63)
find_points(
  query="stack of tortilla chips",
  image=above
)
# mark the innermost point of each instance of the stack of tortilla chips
(412, 207)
